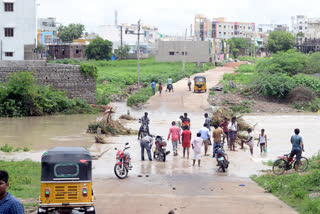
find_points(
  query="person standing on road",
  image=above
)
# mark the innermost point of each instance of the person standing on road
(249, 141)
(224, 126)
(179, 124)
(262, 141)
(153, 85)
(189, 83)
(205, 135)
(160, 88)
(185, 120)
(217, 135)
(145, 144)
(297, 147)
(207, 121)
(233, 130)
(186, 138)
(196, 146)
(8, 203)
(175, 137)
(144, 123)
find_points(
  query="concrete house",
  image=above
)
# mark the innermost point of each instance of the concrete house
(188, 51)
(17, 29)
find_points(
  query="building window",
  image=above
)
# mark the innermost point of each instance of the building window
(231, 27)
(248, 28)
(224, 33)
(8, 7)
(224, 27)
(8, 32)
(184, 53)
(306, 28)
(171, 53)
(300, 27)
(8, 54)
(219, 25)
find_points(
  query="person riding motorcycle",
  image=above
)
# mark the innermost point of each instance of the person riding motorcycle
(144, 123)
(169, 84)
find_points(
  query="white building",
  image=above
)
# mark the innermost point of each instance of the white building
(17, 29)
(310, 27)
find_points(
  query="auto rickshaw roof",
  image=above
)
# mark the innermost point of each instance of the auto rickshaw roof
(198, 77)
(63, 154)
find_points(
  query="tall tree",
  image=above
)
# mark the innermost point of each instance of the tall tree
(123, 52)
(280, 41)
(235, 44)
(70, 32)
(99, 49)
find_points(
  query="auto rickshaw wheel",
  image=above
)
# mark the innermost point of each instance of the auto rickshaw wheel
(91, 211)
(42, 211)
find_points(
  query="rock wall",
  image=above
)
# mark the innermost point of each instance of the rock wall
(66, 78)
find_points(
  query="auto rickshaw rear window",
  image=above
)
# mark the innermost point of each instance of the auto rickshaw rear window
(66, 170)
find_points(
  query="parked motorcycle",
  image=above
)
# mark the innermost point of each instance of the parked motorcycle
(160, 152)
(222, 158)
(123, 164)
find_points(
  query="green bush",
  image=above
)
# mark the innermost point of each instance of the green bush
(141, 96)
(88, 69)
(290, 62)
(21, 96)
(277, 85)
(313, 64)
(312, 83)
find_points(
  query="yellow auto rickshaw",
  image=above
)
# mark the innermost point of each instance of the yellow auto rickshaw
(66, 181)
(200, 84)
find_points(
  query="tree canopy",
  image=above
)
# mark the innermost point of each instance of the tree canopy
(70, 32)
(123, 52)
(99, 49)
(280, 41)
(235, 44)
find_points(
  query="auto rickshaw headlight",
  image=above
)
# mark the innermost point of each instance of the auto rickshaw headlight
(47, 193)
(84, 192)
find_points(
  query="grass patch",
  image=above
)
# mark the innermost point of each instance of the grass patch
(212, 93)
(24, 178)
(243, 107)
(295, 189)
(9, 148)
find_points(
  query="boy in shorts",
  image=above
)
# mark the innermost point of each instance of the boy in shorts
(196, 146)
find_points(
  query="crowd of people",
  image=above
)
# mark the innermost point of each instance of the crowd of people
(179, 133)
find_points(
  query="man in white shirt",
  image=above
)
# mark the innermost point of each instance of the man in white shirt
(249, 141)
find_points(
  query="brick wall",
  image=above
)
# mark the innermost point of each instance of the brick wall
(67, 78)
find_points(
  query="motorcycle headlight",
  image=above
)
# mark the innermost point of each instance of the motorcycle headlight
(118, 157)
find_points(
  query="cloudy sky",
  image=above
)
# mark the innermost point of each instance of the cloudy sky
(174, 16)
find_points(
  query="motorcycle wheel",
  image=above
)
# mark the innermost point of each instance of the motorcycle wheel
(222, 166)
(163, 157)
(120, 173)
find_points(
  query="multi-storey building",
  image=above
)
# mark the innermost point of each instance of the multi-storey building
(310, 27)
(220, 28)
(47, 31)
(17, 29)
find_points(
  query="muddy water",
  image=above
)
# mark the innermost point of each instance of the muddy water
(41, 133)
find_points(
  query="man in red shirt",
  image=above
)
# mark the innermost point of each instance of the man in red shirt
(175, 137)
(186, 139)
(224, 126)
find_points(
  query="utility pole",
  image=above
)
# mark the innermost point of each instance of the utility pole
(184, 53)
(120, 41)
(138, 54)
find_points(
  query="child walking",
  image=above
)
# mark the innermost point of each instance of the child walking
(160, 88)
(186, 138)
(262, 141)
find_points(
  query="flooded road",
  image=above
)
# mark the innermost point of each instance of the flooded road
(159, 187)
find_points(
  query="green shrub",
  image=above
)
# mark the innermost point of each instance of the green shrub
(141, 96)
(21, 96)
(312, 83)
(290, 62)
(313, 64)
(89, 69)
(277, 85)
(6, 148)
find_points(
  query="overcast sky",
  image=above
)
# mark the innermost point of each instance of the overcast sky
(174, 16)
